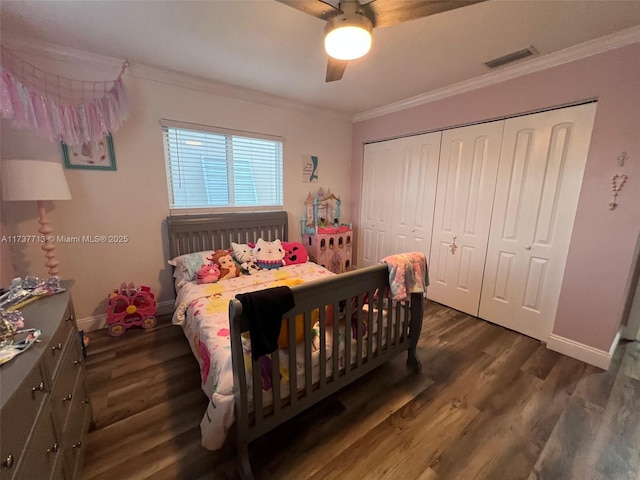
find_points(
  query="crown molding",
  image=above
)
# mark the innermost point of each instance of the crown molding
(31, 47)
(619, 39)
(25, 46)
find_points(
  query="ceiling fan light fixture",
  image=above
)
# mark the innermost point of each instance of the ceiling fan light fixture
(348, 37)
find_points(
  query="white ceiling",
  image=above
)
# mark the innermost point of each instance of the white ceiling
(270, 47)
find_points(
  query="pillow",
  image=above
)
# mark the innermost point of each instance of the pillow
(187, 265)
(243, 254)
(208, 274)
(223, 259)
(294, 253)
(269, 254)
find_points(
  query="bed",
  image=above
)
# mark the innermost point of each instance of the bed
(357, 309)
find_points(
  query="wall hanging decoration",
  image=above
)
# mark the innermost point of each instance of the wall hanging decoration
(309, 169)
(59, 108)
(617, 182)
(623, 157)
(90, 155)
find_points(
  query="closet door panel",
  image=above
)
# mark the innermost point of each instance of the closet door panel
(398, 195)
(466, 182)
(416, 173)
(539, 179)
(377, 202)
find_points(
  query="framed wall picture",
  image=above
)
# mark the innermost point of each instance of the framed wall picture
(91, 155)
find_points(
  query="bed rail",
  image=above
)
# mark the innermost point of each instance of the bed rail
(196, 233)
(364, 309)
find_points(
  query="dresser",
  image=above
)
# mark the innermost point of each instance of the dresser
(331, 250)
(44, 404)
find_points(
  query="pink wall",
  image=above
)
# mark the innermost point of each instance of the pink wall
(603, 242)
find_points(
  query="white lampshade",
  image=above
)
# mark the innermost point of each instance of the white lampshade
(33, 180)
(347, 37)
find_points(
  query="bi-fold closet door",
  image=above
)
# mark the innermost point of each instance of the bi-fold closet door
(542, 164)
(398, 195)
(501, 213)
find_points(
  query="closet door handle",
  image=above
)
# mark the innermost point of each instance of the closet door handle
(527, 247)
(452, 246)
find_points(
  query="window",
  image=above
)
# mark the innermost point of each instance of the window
(211, 167)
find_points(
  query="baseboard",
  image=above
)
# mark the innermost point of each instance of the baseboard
(98, 322)
(585, 353)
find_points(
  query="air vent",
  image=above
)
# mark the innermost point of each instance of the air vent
(511, 57)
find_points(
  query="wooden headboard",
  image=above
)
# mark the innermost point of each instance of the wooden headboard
(213, 231)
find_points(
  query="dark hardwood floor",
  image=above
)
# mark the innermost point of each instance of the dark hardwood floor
(489, 404)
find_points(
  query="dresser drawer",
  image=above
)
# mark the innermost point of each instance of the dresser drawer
(17, 418)
(63, 394)
(76, 424)
(76, 428)
(43, 457)
(55, 350)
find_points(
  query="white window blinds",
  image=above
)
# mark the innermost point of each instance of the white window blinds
(209, 167)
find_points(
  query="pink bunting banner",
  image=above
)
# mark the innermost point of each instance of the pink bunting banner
(57, 108)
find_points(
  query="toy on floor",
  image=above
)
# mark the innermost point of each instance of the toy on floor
(129, 306)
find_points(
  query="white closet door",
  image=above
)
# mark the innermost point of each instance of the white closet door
(398, 195)
(414, 192)
(539, 179)
(374, 237)
(466, 183)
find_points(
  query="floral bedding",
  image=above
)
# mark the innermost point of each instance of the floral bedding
(203, 312)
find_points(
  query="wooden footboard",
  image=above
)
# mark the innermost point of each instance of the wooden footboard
(380, 328)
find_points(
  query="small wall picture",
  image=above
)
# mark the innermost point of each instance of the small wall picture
(91, 155)
(309, 169)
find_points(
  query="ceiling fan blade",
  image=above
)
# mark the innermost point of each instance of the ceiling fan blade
(315, 8)
(335, 69)
(383, 13)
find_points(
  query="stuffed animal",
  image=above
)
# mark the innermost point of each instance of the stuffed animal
(294, 253)
(226, 264)
(243, 254)
(208, 274)
(269, 254)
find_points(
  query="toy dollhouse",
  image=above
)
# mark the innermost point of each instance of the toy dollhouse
(328, 242)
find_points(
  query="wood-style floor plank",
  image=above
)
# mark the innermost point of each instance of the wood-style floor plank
(489, 404)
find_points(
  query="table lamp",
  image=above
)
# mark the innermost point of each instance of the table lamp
(39, 180)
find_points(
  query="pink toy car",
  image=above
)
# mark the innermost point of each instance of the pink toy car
(129, 306)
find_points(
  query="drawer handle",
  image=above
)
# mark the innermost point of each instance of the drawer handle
(53, 449)
(8, 462)
(78, 444)
(77, 362)
(67, 398)
(39, 388)
(56, 347)
(85, 401)
(69, 318)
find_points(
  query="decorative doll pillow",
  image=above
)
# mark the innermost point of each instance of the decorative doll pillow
(223, 259)
(243, 255)
(294, 253)
(208, 274)
(269, 255)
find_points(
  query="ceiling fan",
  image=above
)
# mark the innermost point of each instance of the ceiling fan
(349, 23)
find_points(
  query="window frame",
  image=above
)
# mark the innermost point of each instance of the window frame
(229, 133)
